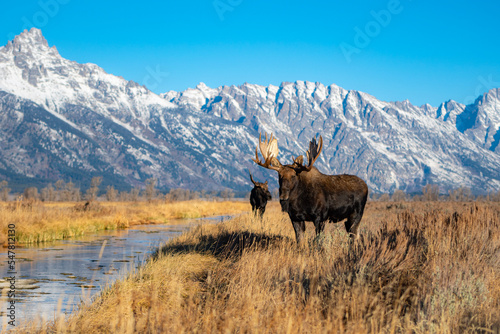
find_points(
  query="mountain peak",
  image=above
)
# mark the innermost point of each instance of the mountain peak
(33, 36)
(30, 43)
(493, 94)
(202, 85)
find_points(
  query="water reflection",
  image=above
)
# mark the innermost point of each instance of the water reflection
(74, 270)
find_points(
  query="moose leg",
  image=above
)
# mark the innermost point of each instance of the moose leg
(299, 227)
(352, 223)
(261, 211)
(254, 208)
(320, 226)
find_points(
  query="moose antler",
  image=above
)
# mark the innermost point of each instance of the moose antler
(251, 178)
(269, 151)
(314, 151)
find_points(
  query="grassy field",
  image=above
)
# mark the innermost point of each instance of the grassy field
(418, 268)
(41, 222)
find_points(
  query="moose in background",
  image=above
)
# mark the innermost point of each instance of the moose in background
(259, 196)
(306, 194)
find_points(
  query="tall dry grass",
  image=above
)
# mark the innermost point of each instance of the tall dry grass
(41, 222)
(418, 268)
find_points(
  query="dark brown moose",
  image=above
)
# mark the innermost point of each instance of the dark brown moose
(306, 194)
(259, 196)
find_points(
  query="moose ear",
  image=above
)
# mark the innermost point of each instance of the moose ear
(265, 183)
(299, 160)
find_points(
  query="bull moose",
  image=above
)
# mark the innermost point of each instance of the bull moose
(306, 194)
(259, 196)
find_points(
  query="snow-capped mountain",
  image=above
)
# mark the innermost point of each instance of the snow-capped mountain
(392, 145)
(61, 119)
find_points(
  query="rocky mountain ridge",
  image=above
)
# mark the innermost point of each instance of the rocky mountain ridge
(61, 119)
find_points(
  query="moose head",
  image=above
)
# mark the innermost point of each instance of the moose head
(288, 175)
(259, 196)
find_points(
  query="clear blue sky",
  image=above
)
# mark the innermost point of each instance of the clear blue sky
(424, 51)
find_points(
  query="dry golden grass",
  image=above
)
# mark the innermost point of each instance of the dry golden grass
(418, 268)
(40, 222)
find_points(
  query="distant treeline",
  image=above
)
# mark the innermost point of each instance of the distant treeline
(431, 192)
(62, 191)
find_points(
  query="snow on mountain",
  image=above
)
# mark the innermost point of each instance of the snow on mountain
(481, 121)
(392, 145)
(61, 119)
(41, 75)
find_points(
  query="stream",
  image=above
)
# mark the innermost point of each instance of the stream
(55, 277)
